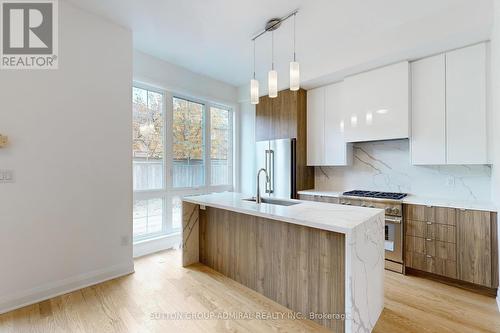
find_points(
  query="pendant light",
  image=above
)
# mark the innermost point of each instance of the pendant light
(272, 76)
(254, 84)
(294, 65)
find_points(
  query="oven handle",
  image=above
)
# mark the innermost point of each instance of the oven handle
(394, 220)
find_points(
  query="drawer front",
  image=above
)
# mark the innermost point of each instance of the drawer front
(431, 256)
(415, 228)
(442, 250)
(415, 212)
(326, 199)
(441, 266)
(441, 232)
(306, 197)
(318, 198)
(441, 215)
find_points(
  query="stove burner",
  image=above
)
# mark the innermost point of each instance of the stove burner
(375, 194)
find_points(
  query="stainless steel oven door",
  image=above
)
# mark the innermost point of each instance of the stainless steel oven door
(394, 238)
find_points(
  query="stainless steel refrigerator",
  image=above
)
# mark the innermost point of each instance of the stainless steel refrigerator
(278, 157)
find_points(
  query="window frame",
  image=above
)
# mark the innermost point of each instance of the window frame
(139, 195)
(207, 187)
(167, 193)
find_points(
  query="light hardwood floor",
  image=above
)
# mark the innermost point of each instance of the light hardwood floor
(161, 285)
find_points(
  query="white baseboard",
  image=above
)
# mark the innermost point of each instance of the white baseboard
(56, 288)
(498, 303)
(157, 244)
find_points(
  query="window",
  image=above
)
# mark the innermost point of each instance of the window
(188, 143)
(181, 146)
(148, 123)
(221, 131)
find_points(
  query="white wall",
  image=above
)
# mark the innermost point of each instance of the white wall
(495, 91)
(156, 72)
(66, 222)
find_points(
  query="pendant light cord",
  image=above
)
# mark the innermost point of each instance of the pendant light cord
(254, 59)
(294, 33)
(272, 50)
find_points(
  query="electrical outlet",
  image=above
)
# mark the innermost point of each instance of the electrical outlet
(6, 176)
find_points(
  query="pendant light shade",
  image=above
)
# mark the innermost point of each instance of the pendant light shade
(272, 78)
(254, 91)
(294, 76)
(272, 75)
(294, 65)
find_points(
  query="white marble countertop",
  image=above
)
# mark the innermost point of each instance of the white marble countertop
(423, 200)
(325, 216)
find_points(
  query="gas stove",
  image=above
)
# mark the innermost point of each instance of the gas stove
(375, 195)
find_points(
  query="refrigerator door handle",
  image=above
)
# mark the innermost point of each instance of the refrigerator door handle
(270, 170)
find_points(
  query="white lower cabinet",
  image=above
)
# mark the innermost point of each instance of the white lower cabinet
(449, 108)
(325, 137)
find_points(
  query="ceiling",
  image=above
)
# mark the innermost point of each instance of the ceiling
(334, 37)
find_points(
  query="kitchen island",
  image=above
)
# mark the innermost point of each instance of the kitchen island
(324, 261)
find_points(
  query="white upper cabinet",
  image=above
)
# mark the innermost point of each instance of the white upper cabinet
(315, 126)
(449, 108)
(428, 136)
(377, 104)
(325, 139)
(466, 105)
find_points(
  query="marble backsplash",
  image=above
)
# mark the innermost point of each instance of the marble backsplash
(385, 166)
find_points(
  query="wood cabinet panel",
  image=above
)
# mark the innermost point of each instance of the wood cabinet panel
(440, 249)
(441, 266)
(431, 256)
(441, 232)
(299, 267)
(441, 215)
(319, 198)
(263, 120)
(415, 212)
(415, 244)
(416, 228)
(474, 247)
(284, 117)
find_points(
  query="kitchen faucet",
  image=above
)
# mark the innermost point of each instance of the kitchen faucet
(258, 198)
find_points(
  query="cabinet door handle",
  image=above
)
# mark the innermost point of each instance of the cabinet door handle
(428, 256)
(428, 239)
(429, 223)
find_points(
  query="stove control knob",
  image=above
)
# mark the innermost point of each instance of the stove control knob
(395, 211)
(388, 210)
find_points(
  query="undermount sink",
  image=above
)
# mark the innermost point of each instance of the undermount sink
(274, 201)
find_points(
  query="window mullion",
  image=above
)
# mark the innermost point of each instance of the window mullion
(208, 147)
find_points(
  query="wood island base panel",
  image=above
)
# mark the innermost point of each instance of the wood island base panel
(333, 278)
